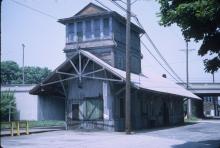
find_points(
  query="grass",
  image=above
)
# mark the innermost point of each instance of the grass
(191, 119)
(43, 123)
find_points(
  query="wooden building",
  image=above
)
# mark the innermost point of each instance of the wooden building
(91, 82)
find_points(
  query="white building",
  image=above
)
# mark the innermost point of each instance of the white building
(29, 106)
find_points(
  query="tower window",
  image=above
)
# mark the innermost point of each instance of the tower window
(79, 31)
(70, 32)
(88, 29)
(97, 28)
(106, 26)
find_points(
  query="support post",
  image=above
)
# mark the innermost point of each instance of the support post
(27, 128)
(9, 113)
(128, 89)
(66, 98)
(18, 128)
(12, 129)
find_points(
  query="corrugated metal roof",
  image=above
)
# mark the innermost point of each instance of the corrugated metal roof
(148, 81)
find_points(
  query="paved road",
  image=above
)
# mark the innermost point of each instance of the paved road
(200, 135)
(205, 132)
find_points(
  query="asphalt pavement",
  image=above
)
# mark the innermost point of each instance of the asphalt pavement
(198, 135)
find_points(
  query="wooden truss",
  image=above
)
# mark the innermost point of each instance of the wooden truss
(80, 72)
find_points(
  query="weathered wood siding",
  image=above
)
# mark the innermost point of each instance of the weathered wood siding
(150, 110)
(119, 31)
(51, 108)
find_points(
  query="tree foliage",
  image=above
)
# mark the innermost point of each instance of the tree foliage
(34, 75)
(7, 102)
(198, 20)
(11, 73)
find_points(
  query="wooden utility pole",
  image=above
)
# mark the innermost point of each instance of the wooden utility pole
(128, 87)
(0, 28)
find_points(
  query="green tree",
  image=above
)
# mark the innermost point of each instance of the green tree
(7, 103)
(34, 75)
(10, 73)
(198, 20)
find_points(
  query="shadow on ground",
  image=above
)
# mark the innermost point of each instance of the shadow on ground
(153, 129)
(200, 144)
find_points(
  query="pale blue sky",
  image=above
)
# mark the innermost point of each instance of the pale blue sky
(44, 37)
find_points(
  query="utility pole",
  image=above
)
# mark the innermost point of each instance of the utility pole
(189, 104)
(187, 65)
(23, 46)
(213, 77)
(128, 87)
(0, 29)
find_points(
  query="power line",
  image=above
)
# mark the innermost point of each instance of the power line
(150, 40)
(148, 37)
(118, 5)
(157, 60)
(103, 5)
(34, 9)
(141, 41)
(157, 50)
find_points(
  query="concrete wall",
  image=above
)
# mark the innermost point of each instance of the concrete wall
(50, 108)
(26, 104)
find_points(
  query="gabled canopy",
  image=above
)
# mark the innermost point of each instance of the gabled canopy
(74, 68)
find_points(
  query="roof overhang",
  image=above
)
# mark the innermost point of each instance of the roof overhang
(113, 14)
(70, 69)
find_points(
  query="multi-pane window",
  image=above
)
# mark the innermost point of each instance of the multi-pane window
(88, 29)
(70, 32)
(79, 31)
(106, 26)
(97, 28)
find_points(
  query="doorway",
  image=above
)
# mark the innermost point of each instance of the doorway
(165, 114)
(75, 111)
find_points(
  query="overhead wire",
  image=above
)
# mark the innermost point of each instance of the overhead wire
(157, 60)
(152, 43)
(103, 5)
(157, 50)
(137, 21)
(148, 37)
(34, 9)
(154, 46)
